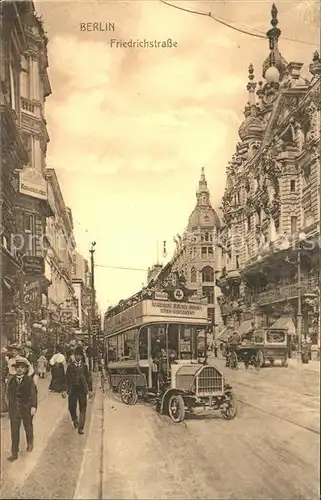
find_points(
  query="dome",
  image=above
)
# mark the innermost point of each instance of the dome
(204, 217)
(251, 127)
(272, 75)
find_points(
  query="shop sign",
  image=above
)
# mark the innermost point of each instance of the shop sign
(32, 265)
(32, 183)
(66, 316)
(31, 294)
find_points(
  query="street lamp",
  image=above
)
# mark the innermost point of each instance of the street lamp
(297, 263)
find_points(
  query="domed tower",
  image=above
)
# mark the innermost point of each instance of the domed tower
(202, 262)
(203, 216)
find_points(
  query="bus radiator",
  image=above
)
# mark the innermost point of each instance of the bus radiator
(209, 381)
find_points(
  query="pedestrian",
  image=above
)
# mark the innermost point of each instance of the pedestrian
(79, 385)
(3, 379)
(42, 365)
(22, 402)
(58, 378)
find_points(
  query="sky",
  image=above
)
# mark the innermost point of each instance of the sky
(130, 129)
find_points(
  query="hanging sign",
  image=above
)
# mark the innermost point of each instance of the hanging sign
(31, 294)
(32, 183)
(33, 265)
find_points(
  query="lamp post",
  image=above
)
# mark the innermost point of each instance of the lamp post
(297, 263)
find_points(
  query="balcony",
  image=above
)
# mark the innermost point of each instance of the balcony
(286, 292)
(30, 107)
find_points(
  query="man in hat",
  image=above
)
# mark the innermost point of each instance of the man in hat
(22, 402)
(79, 385)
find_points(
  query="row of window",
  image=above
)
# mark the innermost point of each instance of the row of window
(207, 275)
(306, 173)
(206, 252)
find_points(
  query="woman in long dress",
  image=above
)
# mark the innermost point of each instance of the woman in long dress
(58, 377)
(42, 365)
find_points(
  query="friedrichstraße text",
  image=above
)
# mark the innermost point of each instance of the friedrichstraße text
(143, 44)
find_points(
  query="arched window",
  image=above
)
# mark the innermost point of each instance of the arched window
(193, 275)
(207, 274)
(206, 236)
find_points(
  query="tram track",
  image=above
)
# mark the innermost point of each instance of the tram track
(271, 413)
(275, 415)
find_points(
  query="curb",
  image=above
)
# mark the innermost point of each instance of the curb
(89, 482)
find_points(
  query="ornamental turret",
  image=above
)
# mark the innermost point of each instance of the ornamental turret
(252, 127)
(274, 67)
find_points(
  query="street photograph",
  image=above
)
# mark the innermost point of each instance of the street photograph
(160, 249)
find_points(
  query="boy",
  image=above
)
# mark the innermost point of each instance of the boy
(22, 402)
(79, 384)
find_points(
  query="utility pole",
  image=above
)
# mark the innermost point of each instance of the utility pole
(299, 313)
(93, 301)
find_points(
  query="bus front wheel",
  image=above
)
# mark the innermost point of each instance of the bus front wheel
(128, 392)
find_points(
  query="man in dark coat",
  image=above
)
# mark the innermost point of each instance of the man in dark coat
(22, 402)
(79, 385)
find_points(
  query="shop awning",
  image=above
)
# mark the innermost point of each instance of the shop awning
(285, 322)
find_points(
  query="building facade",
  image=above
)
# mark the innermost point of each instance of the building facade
(81, 279)
(24, 88)
(61, 246)
(196, 255)
(270, 237)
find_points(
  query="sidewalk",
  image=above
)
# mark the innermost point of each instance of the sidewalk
(51, 409)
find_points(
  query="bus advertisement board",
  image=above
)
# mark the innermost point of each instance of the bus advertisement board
(175, 309)
(152, 310)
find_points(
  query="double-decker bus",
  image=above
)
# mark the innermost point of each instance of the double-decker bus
(135, 333)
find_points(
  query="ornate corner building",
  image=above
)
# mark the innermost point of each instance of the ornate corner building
(196, 256)
(270, 236)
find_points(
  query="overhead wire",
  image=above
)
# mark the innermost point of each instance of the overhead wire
(125, 268)
(226, 23)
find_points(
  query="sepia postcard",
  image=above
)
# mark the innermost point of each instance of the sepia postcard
(160, 249)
